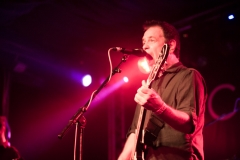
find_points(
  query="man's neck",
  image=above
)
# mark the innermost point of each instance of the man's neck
(170, 61)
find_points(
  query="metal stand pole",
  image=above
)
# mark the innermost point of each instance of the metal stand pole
(80, 125)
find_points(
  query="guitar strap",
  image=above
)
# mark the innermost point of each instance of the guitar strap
(153, 125)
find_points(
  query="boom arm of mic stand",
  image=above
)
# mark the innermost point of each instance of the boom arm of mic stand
(83, 109)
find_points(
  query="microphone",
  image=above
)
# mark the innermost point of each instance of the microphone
(137, 52)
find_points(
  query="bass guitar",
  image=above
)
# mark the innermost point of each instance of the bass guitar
(140, 147)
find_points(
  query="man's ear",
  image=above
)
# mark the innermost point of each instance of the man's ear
(172, 43)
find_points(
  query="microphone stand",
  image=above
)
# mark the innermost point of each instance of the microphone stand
(79, 120)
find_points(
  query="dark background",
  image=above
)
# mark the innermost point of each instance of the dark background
(47, 46)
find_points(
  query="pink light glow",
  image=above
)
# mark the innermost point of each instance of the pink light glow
(143, 65)
(125, 79)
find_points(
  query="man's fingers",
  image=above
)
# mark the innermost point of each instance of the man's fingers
(143, 90)
(139, 99)
(144, 83)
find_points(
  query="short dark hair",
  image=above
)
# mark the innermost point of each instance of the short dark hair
(169, 32)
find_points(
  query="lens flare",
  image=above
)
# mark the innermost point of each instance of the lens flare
(87, 80)
(125, 79)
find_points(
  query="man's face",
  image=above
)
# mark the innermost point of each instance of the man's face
(153, 41)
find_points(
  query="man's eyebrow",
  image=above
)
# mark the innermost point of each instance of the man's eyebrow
(148, 38)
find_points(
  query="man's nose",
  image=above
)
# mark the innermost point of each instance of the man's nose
(145, 46)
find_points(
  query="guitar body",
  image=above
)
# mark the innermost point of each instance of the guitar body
(140, 146)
